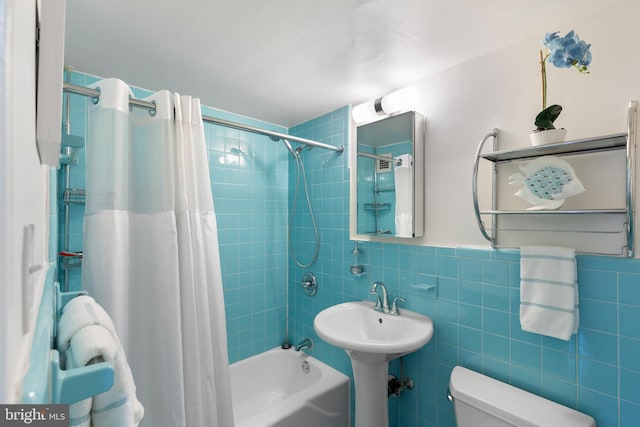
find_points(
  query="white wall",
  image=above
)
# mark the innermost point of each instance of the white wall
(3, 211)
(23, 187)
(503, 90)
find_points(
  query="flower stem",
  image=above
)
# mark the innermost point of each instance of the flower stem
(543, 72)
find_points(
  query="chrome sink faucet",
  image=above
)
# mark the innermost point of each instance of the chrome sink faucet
(382, 304)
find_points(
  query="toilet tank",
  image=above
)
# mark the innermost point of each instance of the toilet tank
(481, 401)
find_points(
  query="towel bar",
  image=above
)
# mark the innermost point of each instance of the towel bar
(45, 381)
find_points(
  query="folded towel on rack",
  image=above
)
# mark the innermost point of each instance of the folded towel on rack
(86, 335)
(78, 313)
(549, 291)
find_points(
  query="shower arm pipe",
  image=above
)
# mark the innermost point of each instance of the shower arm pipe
(93, 93)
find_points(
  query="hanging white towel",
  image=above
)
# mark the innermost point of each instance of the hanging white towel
(404, 196)
(86, 335)
(78, 313)
(404, 225)
(549, 291)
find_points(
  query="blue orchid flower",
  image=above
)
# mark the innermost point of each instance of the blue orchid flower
(548, 38)
(568, 51)
(563, 52)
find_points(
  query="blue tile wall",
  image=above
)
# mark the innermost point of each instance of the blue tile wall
(475, 305)
(251, 202)
(475, 310)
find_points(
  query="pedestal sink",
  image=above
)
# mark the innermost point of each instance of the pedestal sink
(372, 339)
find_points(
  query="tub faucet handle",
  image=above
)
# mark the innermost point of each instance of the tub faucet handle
(394, 306)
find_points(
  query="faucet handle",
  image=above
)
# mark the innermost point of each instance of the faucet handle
(394, 306)
(378, 306)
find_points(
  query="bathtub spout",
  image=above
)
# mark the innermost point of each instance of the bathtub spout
(305, 343)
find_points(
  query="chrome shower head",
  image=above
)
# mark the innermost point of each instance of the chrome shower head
(237, 152)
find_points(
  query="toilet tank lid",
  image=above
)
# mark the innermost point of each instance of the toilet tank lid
(511, 404)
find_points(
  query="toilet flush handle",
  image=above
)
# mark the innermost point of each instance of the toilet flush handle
(449, 395)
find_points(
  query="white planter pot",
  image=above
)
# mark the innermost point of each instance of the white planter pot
(548, 136)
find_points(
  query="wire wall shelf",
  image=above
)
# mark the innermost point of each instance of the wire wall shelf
(539, 221)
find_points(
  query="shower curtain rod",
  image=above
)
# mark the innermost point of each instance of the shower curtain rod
(93, 93)
(397, 162)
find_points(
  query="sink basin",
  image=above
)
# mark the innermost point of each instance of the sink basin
(371, 339)
(357, 327)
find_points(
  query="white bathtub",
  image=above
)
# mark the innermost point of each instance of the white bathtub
(274, 389)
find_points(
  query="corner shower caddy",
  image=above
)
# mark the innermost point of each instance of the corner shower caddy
(621, 141)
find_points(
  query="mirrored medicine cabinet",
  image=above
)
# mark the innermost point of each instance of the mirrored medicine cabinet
(387, 179)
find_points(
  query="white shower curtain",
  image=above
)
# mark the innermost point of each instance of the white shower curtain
(151, 254)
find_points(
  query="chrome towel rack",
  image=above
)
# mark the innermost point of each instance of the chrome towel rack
(617, 142)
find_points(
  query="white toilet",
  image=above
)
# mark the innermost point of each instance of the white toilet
(480, 401)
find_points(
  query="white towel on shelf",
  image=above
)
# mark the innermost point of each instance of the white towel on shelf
(86, 335)
(549, 291)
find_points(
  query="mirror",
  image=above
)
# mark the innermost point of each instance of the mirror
(389, 177)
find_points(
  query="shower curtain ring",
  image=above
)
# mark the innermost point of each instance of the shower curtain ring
(152, 112)
(96, 99)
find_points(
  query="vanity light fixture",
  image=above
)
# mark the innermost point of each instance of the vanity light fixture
(383, 106)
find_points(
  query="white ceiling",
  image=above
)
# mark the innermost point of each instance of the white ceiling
(287, 61)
